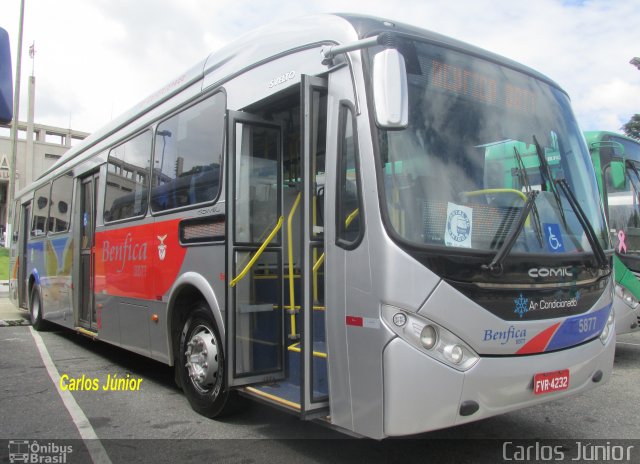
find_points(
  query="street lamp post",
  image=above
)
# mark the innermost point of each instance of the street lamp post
(164, 134)
(11, 189)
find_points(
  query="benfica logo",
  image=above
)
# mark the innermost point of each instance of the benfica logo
(162, 248)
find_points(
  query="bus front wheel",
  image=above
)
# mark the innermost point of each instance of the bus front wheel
(200, 363)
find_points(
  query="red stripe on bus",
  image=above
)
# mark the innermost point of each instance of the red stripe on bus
(538, 343)
(355, 321)
(142, 261)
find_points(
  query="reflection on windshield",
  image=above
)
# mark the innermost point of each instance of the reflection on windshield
(624, 211)
(459, 175)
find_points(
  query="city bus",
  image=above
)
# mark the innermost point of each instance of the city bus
(318, 216)
(616, 159)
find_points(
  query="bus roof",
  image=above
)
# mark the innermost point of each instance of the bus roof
(262, 45)
(595, 136)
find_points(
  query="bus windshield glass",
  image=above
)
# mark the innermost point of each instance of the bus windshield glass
(482, 139)
(623, 192)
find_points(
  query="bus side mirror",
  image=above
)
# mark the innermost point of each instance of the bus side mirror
(6, 80)
(617, 173)
(390, 97)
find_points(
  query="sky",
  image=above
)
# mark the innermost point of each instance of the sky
(95, 59)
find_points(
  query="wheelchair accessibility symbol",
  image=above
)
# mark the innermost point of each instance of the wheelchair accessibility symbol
(553, 237)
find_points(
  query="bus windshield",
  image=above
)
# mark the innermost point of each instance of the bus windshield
(622, 192)
(481, 138)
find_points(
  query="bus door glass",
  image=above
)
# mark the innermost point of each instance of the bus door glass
(88, 195)
(255, 341)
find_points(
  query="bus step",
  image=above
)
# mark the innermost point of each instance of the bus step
(86, 332)
(283, 394)
(319, 366)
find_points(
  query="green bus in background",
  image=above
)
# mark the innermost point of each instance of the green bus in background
(616, 159)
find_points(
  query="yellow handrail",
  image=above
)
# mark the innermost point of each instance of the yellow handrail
(495, 190)
(351, 217)
(347, 222)
(290, 252)
(253, 260)
(498, 190)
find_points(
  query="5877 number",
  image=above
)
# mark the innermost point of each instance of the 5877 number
(587, 324)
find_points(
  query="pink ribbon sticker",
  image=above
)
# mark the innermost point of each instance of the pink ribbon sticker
(621, 244)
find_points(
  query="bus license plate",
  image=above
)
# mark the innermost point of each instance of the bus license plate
(548, 382)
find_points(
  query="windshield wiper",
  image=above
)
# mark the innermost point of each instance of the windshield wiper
(527, 188)
(632, 166)
(495, 266)
(545, 172)
(601, 257)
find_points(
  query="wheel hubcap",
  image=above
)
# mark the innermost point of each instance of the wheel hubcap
(202, 359)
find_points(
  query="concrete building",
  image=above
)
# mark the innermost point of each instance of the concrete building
(39, 147)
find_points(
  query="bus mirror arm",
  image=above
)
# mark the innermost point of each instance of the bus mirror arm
(386, 39)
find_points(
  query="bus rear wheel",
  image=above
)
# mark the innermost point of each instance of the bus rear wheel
(200, 363)
(35, 309)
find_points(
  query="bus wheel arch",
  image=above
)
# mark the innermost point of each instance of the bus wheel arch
(187, 292)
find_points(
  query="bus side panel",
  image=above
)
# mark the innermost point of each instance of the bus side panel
(58, 258)
(124, 271)
(177, 266)
(203, 271)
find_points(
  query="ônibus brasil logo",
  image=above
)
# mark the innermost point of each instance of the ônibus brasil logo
(41, 453)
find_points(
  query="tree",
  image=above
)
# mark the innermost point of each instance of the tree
(632, 128)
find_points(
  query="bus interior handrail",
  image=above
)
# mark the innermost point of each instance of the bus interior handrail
(255, 257)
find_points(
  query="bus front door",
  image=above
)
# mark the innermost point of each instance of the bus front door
(275, 202)
(255, 312)
(315, 395)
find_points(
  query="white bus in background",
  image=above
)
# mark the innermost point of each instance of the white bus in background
(332, 215)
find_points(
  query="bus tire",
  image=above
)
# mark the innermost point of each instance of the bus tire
(35, 309)
(200, 363)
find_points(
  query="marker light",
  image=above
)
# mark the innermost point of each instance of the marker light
(608, 327)
(454, 353)
(430, 338)
(626, 296)
(399, 319)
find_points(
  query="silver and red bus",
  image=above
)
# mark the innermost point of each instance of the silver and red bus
(352, 219)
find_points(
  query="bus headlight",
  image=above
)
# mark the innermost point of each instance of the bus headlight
(626, 296)
(608, 327)
(431, 338)
(428, 336)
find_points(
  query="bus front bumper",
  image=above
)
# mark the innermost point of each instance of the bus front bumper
(422, 394)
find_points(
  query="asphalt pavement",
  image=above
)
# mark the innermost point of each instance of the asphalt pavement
(156, 424)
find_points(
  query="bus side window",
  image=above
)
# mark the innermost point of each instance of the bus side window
(188, 153)
(128, 178)
(40, 211)
(61, 197)
(349, 225)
